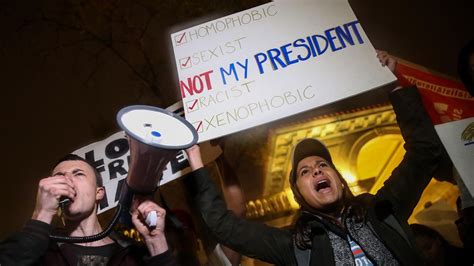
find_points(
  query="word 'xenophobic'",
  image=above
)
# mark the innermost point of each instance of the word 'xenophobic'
(255, 108)
(302, 49)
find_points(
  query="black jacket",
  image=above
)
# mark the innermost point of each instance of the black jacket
(32, 246)
(387, 211)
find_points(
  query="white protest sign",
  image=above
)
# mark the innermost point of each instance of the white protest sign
(272, 61)
(458, 139)
(111, 156)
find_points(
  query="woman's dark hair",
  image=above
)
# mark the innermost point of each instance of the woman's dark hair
(464, 68)
(74, 157)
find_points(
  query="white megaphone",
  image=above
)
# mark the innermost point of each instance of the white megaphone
(155, 137)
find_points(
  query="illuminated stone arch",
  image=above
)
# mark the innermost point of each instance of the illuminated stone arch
(374, 155)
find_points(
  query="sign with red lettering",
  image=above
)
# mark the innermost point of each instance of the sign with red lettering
(272, 61)
(451, 109)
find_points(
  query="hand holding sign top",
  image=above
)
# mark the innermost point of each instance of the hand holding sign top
(194, 157)
(387, 60)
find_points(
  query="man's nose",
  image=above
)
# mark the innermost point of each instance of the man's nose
(68, 176)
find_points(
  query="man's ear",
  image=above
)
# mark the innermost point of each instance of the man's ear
(99, 193)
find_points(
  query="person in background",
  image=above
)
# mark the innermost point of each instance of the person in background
(465, 204)
(217, 254)
(465, 225)
(191, 241)
(436, 250)
(235, 202)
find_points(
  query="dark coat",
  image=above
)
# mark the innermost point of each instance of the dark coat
(387, 211)
(32, 246)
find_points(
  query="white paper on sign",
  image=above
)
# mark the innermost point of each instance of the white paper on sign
(458, 139)
(272, 61)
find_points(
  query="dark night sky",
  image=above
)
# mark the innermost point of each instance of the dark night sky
(48, 110)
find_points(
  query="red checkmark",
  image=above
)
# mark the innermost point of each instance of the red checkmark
(199, 125)
(193, 105)
(179, 39)
(185, 62)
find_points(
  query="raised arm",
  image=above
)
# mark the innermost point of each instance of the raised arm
(248, 238)
(423, 151)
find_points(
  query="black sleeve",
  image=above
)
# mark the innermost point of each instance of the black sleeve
(164, 259)
(27, 246)
(251, 239)
(423, 151)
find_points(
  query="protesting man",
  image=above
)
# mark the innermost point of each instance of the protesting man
(76, 179)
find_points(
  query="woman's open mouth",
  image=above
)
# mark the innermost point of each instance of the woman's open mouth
(322, 186)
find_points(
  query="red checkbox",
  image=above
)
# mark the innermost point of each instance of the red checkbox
(199, 126)
(185, 62)
(180, 39)
(193, 105)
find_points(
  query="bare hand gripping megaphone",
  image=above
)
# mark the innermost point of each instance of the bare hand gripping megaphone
(155, 137)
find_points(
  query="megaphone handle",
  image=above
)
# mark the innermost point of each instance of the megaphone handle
(151, 219)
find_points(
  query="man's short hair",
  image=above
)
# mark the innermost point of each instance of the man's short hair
(74, 157)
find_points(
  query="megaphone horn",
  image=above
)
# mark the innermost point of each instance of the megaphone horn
(155, 137)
